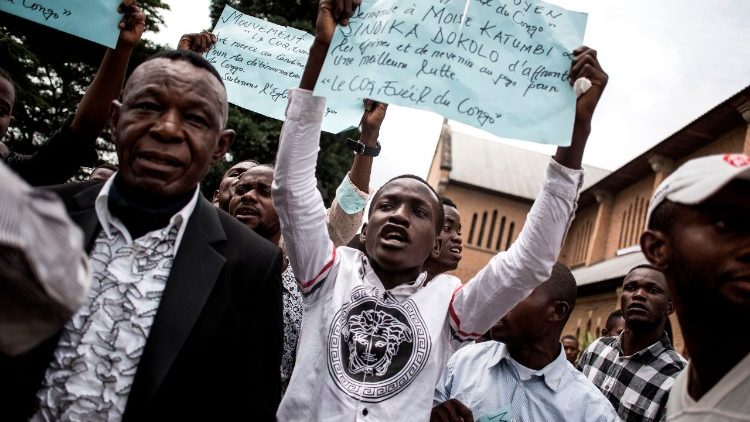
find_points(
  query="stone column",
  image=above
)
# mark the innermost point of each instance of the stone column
(662, 166)
(598, 244)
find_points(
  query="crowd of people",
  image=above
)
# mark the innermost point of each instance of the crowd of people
(131, 296)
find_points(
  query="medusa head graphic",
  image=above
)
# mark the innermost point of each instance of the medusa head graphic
(374, 338)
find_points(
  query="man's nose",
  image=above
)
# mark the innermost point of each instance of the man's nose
(399, 215)
(169, 127)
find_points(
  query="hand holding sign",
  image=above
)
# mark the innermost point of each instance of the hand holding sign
(259, 61)
(372, 118)
(586, 65)
(199, 42)
(94, 20)
(132, 25)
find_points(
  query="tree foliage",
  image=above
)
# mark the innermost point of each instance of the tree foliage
(51, 71)
(257, 135)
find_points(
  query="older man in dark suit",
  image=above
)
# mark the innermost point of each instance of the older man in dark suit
(185, 301)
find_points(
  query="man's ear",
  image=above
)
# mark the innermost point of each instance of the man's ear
(559, 310)
(225, 141)
(363, 234)
(215, 198)
(114, 117)
(656, 247)
(436, 248)
(670, 307)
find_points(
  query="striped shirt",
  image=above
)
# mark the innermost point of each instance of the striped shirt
(637, 385)
(495, 387)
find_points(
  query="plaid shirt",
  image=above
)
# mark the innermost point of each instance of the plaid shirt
(637, 385)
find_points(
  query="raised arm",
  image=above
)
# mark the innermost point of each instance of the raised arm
(92, 114)
(295, 195)
(347, 208)
(585, 65)
(511, 276)
(73, 145)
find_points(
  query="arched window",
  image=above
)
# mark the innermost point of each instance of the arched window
(492, 229)
(510, 235)
(481, 229)
(471, 230)
(500, 234)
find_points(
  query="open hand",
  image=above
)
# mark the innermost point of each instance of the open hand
(132, 25)
(372, 118)
(198, 42)
(586, 65)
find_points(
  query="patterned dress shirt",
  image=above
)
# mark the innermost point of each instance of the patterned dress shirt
(97, 356)
(637, 385)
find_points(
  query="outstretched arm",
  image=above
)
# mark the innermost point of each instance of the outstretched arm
(295, 195)
(585, 65)
(347, 208)
(511, 276)
(74, 144)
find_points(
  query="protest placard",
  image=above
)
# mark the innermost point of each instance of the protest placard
(259, 61)
(94, 20)
(499, 65)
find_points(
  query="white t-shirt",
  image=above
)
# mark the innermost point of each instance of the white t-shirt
(728, 400)
(374, 354)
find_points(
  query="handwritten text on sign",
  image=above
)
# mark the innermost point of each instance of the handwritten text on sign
(94, 20)
(259, 61)
(499, 65)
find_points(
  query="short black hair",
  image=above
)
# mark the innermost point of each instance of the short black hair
(570, 337)
(188, 56)
(447, 201)
(663, 215)
(561, 286)
(441, 212)
(642, 266)
(5, 75)
(616, 314)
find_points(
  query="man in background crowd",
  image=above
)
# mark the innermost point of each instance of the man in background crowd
(699, 236)
(636, 370)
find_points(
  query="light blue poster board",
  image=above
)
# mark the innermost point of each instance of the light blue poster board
(498, 65)
(94, 20)
(259, 61)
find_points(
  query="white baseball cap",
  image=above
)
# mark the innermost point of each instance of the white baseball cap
(699, 178)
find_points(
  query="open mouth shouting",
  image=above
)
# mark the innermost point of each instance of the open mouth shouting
(393, 236)
(246, 213)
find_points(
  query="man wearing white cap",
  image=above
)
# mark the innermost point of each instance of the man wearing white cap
(698, 234)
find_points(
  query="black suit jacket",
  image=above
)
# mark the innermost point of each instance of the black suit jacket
(214, 349)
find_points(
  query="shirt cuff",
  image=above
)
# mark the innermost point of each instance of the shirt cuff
(304, 106)
(563, 181)
(350, 198)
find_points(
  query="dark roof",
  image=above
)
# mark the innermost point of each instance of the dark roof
(700, 132)
(502, 168)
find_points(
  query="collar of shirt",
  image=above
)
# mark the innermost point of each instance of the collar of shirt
(552, 374)
(110, 222)
(400, 291)
(644, 355)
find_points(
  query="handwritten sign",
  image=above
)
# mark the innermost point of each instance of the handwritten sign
(499, 65)
(259, 61)
(94, 20)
